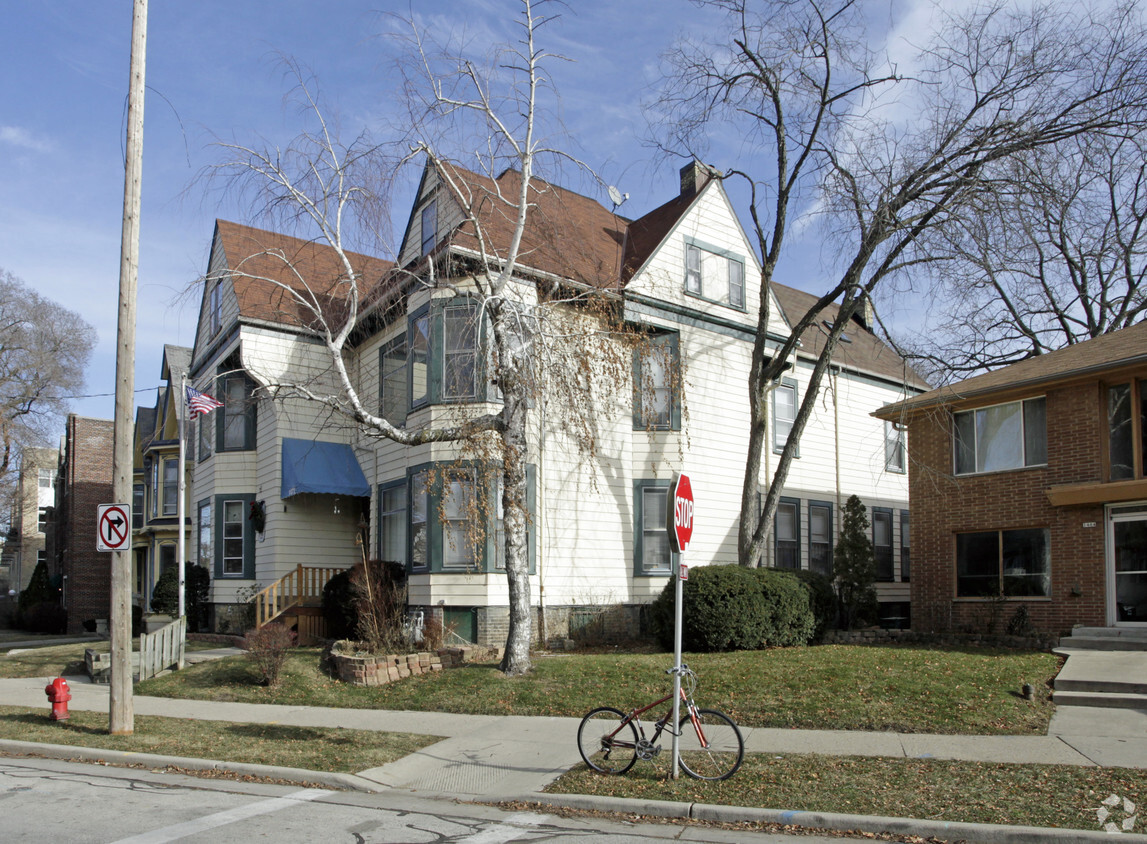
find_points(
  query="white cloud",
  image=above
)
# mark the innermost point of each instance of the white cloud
(17, 136)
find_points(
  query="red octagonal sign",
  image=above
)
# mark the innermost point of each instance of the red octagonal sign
(681, 513)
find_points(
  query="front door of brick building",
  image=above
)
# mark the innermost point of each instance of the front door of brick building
(1127, 565)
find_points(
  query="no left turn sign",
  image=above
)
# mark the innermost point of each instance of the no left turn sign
(113, 527)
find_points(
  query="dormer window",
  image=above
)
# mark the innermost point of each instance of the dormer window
(714, 274)
(429, 226)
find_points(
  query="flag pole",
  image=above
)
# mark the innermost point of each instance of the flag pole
(181, 506)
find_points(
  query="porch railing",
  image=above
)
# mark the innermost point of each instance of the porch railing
(302, 587)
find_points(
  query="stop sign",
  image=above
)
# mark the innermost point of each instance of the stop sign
(680, 513)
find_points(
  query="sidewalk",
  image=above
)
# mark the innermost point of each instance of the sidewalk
(501, 758)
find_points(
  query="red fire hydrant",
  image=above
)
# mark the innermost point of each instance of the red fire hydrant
(58, 695)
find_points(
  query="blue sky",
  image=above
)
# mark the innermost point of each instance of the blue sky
(214, 70)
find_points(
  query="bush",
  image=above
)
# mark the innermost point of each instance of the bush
(368, 603)
(821, 600)
(339, 607)
(197, 585)
(45, 617)
(788, 618)
(722, 610)
(39, 590)
(267, 647)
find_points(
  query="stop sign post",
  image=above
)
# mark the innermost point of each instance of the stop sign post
(680, 508)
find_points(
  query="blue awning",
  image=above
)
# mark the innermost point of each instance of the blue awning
(329, 468)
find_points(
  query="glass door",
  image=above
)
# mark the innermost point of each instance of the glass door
(1127, 567)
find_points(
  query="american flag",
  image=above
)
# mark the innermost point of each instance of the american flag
(199, 403)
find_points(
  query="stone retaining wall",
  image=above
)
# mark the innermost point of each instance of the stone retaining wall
(378, 670)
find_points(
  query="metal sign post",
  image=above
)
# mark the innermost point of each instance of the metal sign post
(679, 524)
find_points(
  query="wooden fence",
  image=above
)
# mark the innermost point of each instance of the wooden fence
(162, 649)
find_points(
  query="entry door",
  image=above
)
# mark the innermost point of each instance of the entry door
(1127, 566)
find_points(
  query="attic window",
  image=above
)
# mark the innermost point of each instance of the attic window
(844, 338)
(714, 274)
(215, 306)
(429, 225)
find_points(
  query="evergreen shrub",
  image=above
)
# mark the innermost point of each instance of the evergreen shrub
(821, 600)
(789, 619)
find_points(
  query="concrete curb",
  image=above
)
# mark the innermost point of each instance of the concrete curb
(986, 833)
(340, 782)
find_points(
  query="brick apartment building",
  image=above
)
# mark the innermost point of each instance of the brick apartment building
(1028, 488)
(85, 482)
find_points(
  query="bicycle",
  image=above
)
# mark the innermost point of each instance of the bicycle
(710, 745)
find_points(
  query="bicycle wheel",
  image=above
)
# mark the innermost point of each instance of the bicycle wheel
(719, 754)
(605, 743)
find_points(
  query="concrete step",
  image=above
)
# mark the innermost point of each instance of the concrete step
(1128, 686)
(1107, 700)
(1106, 639)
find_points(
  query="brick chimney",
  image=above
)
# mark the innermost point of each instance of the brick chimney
(694, 176)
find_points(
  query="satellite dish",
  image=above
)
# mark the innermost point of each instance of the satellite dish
(616, 196)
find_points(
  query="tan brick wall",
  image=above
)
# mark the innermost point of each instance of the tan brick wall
(943, 505)
(86, 483)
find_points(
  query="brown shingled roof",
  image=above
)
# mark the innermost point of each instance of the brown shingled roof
(261, 260)
(568, 235)
(1126, 347)
(866, 353)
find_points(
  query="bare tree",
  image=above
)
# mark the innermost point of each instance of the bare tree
(885, 156)
(1055, 255)
(510, 226)
(44, 350)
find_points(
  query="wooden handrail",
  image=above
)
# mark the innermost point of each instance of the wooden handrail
(303, 584)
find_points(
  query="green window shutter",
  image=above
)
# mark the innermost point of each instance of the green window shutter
(677, 382)
(638, 419)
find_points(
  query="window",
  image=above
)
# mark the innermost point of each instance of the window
(893, 448)
(394, 390)
(170, 487)
(820, 537)
(420, 360)
(153, 490)
(458, 540)
(136, 506)
(652, 553)
(234, 522)
(429, 226)
(786, 534)
(419, 511)
(1126, 418)
(166, 557)
(215, 306)
(784, 413)
(46, 492)
(42, 519)
(882, 542)
(455, 518)
(237, 416)
(1004, 436)
(1003, 562)
(905, 555)
(714, 274)
(206, 546)
(656, 379)
(459, 352)
(392, 523)
(206, 425)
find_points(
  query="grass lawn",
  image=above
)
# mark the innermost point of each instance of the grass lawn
(972, 792)
(58, 660)
(313, 748)
(905, 689)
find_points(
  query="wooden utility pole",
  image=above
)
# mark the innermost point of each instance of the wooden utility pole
(122, 714)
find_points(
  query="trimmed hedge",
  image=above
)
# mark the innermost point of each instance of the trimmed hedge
(734, 608)
(821, 600)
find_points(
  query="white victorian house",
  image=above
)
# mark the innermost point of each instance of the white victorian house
(283, 484)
